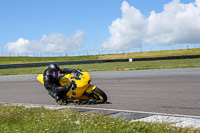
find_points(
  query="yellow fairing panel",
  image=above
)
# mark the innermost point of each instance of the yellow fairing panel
(90, 88)
(65, 80)
(40, 78)
(82, 84)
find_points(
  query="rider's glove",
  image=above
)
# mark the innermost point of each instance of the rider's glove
(67, 88)
(73, 85)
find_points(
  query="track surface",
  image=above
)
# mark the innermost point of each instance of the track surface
(173, 91)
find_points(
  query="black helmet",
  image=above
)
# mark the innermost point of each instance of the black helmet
(54, 69)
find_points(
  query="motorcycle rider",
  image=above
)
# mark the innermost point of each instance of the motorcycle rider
(51, 81)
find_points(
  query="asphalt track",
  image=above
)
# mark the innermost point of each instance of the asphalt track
(172, 91)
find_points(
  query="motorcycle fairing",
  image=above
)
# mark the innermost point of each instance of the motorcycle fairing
(40, 78)
(82, 80)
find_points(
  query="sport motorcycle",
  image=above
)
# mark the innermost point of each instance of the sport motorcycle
(83, 91)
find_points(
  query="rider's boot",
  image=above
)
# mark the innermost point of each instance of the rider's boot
(54, 95)
(57, 98)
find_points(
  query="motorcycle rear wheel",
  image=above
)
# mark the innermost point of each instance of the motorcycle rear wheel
(98, 95)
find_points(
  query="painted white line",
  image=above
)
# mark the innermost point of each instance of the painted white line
(160, 119)
(175, 121)
(195, 123)
(56, 107)
(130, 111)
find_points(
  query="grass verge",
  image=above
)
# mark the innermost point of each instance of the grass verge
(149, 54)
(39, 120)
(163, 53)
(140, 65)
(18, 60)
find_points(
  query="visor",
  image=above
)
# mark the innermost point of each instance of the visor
(55, 73)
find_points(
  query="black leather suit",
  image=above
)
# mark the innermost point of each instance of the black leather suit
(52, 84)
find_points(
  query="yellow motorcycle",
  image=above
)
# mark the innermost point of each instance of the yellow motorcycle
(84, 90)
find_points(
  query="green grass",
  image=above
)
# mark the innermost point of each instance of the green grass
(39, 120)
(162, 64)
(164, 53)
(18, 60)
(139, 65)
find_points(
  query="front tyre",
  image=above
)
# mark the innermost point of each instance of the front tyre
(98, 95)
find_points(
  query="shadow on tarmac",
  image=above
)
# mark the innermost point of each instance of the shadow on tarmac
(81, 102)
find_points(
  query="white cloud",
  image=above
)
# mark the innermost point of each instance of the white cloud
(56, 43)
(127, 31)
(20, 46)
(178, 23)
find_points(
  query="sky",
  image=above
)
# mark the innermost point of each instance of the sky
(66, 27)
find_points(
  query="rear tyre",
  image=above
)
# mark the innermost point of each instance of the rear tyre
(98, 95)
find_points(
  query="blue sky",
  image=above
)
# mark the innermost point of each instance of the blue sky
(80, 26)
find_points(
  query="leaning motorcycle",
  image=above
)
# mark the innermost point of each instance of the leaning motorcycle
(84, 90)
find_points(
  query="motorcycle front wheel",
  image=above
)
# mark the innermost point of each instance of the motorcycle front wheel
(98, 95)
